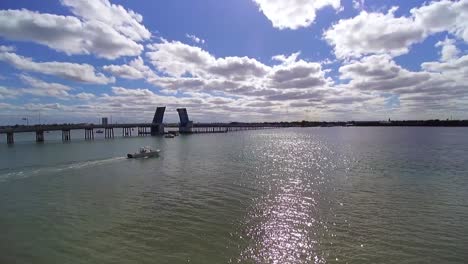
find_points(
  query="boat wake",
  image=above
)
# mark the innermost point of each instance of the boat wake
(25, 172)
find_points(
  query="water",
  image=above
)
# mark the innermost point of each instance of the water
(313, 195)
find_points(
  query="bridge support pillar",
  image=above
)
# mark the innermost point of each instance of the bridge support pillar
(108, 132)
(157, 129)
(127, 132)
(142, 131)
(10, 138)
(186, 128)
(39, 136)
(89, 133)
(66, 135)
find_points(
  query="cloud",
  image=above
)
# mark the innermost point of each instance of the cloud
(195, 39)
(85, 96)
(237, 68)
(132, 92)
(40, 88)
(84, 73)
(105, 30)
(299, 74)
(6, 48)
(286, 59)
(437, 84)
(378, 67)
(136, 69)
(7, 93)
(293, 14)
(233, 75)
(455, 68)
(370, 83)
(177, 59)
(358, 4)
(445, 15)
(373, 33)
(235, 84)
(449, 50)
(378, 33)
(126, 22)
(381, 73)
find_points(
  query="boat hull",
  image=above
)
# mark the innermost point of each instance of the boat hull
(143, 155)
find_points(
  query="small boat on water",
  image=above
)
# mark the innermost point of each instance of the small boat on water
(175, 133)
(144, 152)
(169, 136)
(99, 131)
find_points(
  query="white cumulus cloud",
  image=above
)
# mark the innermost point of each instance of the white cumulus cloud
(136, 69)
(99, 28)
(373, 33)
(41, 88)
(85, 73)
(195, 39)
(385, 33)
(449, 50)
(127, 22)
(293, 14)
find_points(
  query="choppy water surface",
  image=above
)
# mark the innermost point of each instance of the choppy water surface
(318, 195)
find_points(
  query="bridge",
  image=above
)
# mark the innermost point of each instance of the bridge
(155, 128)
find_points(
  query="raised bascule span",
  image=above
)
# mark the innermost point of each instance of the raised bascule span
(185, 125)
(155, 128)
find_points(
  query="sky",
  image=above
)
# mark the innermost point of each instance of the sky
(232, 60)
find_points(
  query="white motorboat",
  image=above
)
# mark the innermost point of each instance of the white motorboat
(144, 152)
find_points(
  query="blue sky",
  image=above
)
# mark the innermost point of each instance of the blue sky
(233, 60)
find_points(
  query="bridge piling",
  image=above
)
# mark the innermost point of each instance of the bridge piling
(141, 131)
(39, 136)
(89, 133)
(66, 135)
(127, 132)
(157, 129)
(10, 138)
(108, 132)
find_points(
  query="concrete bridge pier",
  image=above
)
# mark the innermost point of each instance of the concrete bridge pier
(142, 131)
(10, 138)
(66, 135)
(89, 133)
(108, 132)
(39, 136)
(157, 129)
(126, 132)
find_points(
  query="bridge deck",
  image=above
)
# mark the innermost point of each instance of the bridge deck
(65, 127)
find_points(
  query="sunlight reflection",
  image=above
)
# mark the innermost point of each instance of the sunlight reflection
(285, 222)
